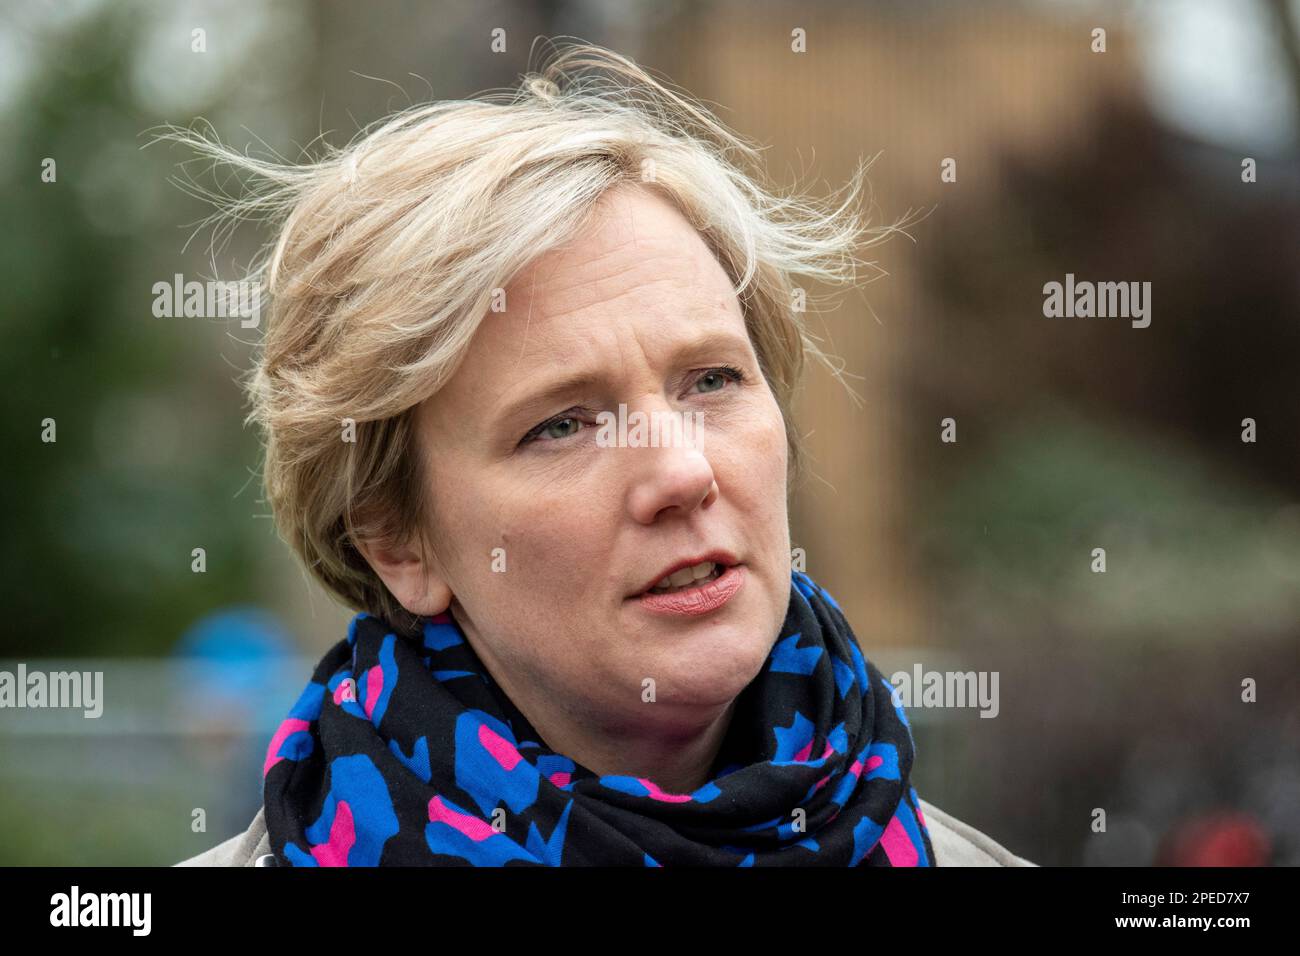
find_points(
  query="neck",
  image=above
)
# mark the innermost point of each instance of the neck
(677, 759)
(674, 751)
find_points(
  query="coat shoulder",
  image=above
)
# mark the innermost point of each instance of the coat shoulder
(955, 844)
(960, 844)
(243, 849)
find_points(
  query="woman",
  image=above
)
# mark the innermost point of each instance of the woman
(574, 646)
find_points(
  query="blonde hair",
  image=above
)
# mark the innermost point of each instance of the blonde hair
(388, 252)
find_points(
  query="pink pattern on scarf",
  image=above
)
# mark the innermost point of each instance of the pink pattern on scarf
(474, 828)
(803, 754)
(343, 834)
(288, 727)
(502, 750)
(898, 845)
(374, 687)
(662, 795)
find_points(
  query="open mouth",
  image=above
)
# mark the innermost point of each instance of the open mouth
(688, 578)
(697, 590)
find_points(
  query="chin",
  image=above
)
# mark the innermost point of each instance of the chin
(713, 672)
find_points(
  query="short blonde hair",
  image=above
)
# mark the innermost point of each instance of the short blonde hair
(388, 252)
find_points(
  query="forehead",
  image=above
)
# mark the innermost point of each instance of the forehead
(638, 268)
(637, 283)
(635, 246)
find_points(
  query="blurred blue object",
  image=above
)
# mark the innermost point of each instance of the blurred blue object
(242, 633)
(238, 659)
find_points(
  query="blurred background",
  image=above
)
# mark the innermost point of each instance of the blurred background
(1119, 690)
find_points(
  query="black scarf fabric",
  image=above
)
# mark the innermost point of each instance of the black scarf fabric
(405, 752)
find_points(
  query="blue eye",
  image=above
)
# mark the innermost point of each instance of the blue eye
(726, 372)
(546, 426)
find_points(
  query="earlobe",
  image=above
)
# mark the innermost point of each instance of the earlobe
(418, 588)
(435, 599)
(426, 597)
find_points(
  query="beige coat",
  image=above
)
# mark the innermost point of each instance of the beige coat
(955, 844)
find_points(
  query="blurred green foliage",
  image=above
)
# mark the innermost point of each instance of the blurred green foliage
(1194, 551)
(151, 459)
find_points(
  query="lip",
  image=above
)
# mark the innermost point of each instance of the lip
(695, 601)
(725, 558)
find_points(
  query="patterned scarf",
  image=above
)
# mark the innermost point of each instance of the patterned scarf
(405, 752)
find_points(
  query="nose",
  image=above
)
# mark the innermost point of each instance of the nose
(676, 477)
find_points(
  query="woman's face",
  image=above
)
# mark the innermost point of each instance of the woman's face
(639, 307)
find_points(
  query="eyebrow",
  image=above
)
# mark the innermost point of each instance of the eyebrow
(586, 381)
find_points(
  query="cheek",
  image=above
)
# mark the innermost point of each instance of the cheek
(757, 459)
(762, 476)
(540, 530)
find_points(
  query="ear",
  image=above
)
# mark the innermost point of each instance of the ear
(419, 587)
